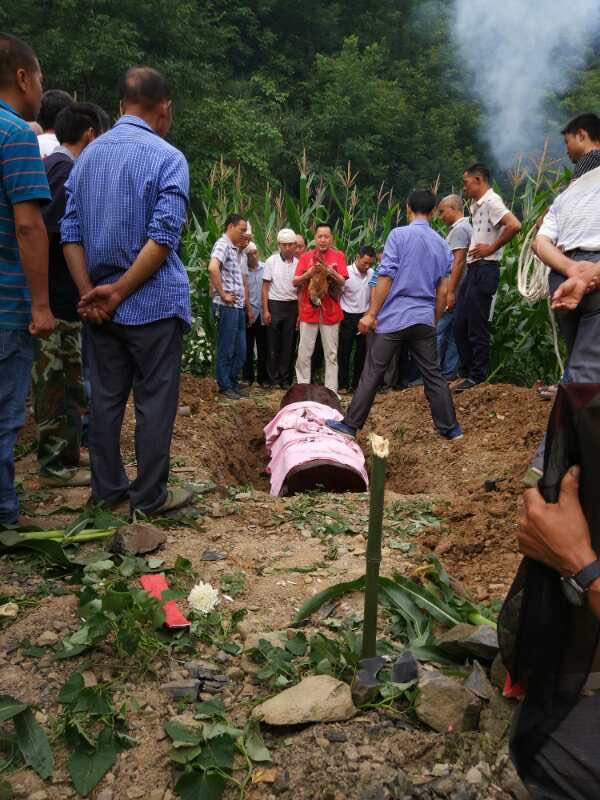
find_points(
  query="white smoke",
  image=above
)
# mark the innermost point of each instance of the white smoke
(519, 52)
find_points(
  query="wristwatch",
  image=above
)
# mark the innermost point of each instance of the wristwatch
(575, 586)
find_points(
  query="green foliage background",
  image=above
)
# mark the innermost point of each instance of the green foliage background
(289, 93)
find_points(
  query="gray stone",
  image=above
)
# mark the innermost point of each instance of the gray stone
(478, 683)
(276, 638)
(182, 690)
(480, 641)
(336, 736)
(47, 638)
(105, 794)
(444, 786)
(318, 698)
(138, 538)
(281, 783)
(445, 705)
(39, 795)
(496, 718)
(474, 777)
(498, 672)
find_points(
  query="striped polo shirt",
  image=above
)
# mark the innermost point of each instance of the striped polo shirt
(22, 178)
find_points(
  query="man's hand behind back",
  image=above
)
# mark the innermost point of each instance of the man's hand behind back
(99, 305)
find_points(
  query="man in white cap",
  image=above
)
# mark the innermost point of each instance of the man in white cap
(255, 331)
(280, 309)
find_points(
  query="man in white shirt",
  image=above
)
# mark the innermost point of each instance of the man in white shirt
(355, 298)
(53, 102)
(569, 243)
(493, 227)
(280, 309)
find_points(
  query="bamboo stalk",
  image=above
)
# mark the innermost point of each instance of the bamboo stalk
(59, 535)
(380, 448)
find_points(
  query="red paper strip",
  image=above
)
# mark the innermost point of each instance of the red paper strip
(155, 585)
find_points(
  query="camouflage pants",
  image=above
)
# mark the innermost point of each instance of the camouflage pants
(59, 398)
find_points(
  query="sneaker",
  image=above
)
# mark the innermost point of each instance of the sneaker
(341, 427)
(454, 433)
(285, 386)
(230, 394)
(176, 498)
(76, 477)
(463, 386)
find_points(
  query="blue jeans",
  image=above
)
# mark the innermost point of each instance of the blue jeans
(16, 359)
(231, 345)
(446, 346)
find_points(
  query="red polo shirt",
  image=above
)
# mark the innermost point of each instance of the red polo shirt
(329, 312)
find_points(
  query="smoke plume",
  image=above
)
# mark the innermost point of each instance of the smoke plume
(519, 53)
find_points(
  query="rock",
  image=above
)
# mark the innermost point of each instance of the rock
(89, 679)
(474, 777)
(336, 736)
(478, 683)
(187, 690)
(135, 792)
(512, 784)
(47, 638)
(319, 698)
(138, 538)
(39, 795)
(444, 704)
(498, 673)
(282, 782)
(276, 638)
(212, 555)
(9, 610)
(496, 719)
(184, 411)
(440, 770)
(480, 641)
(405, 669)
(444, 787)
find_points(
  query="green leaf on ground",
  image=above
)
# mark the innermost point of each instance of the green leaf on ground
(9, 707)
(254, 744)
(198, 786)
(33, 744)
(88, 767)
(331, 593)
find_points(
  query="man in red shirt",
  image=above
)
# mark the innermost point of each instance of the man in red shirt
(320, 314)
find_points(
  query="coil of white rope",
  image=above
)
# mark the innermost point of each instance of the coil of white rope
(532, 283)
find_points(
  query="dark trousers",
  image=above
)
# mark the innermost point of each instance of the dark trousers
(471, 322)
(281, 340)
(349, 338)
(421, 342)
(231, 345)
(146, 358)
(256, 334)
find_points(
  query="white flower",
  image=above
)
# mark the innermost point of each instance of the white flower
(203, 597)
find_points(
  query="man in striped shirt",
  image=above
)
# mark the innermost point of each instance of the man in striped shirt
(24, 305)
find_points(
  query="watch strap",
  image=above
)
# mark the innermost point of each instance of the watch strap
(588, 574)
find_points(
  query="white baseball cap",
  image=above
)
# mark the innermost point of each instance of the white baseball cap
(251, 248)
(286, 236)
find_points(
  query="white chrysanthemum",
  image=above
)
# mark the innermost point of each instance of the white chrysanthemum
(203, 597)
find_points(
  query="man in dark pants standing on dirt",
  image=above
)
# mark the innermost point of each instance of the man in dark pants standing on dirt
(493, 227)
(126, 206)
(355, 304)
(280, 309)
(409, 297)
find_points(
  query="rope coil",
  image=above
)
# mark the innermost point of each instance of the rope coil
(532, 283)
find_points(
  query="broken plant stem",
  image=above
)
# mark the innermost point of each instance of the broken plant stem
(380, 448)
(60, 536)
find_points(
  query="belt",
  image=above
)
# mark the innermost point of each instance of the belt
(578, 251)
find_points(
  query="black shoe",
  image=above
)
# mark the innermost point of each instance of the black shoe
(285, 386)
(243, 391)
(230, 394)
(464, 386)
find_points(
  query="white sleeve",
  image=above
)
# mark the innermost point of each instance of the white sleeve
(497, 209)
(550, 225)
(268, 270)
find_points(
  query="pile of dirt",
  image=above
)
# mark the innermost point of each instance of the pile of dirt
(473, 487)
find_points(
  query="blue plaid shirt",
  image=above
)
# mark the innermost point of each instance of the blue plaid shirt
(127, 187)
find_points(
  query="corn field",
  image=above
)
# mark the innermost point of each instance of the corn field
(522, 339)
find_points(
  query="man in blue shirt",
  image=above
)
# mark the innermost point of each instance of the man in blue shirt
(410, 296)
(126, 206)
(24, 304)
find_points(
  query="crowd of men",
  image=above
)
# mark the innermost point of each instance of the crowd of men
(90, 229)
